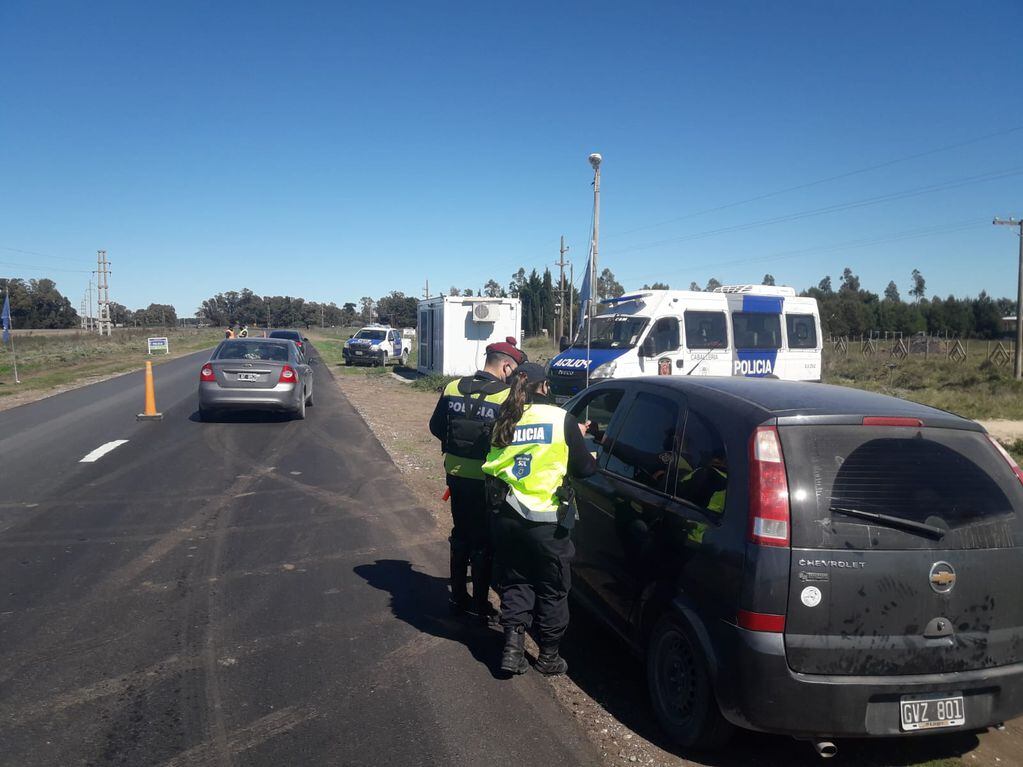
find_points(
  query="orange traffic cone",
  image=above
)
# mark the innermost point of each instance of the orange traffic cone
(150, 414)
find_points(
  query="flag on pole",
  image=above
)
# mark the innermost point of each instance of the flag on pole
(5, 318)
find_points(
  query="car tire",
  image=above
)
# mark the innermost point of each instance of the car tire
(680, 687)
(299, 414)
(309, 400)
(205, 414)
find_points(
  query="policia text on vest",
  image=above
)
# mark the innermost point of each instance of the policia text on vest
(462, 421)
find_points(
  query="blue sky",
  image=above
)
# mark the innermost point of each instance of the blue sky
(335, 150)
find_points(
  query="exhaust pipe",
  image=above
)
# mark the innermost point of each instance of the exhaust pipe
(825, 748)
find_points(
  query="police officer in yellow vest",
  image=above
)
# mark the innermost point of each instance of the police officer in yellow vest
(536, 445)
(462, 421)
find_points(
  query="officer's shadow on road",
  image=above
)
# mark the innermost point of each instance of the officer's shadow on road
(421, 600)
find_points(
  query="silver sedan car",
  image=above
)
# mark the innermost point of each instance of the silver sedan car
(256, 374)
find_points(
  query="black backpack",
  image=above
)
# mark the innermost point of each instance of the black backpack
(469, 431)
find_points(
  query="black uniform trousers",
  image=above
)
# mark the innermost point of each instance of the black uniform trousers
(534, 575)
(470, 538)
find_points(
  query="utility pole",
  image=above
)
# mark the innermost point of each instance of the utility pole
(85, 320)
(1017, 367)
(571, 298)
(559, 325)
(92, 317)
(595, 160)
(103, 293)
(426, 290)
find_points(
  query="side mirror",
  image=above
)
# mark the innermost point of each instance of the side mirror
(351, 336)
(647, 348)
(305, 340)
(563, 344)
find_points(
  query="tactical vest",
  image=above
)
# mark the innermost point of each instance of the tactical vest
(534, 465)
(472, 407)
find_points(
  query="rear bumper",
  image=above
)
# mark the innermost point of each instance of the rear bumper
(759, 691)
(283, 397)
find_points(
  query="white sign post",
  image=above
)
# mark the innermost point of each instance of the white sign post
(158, 345)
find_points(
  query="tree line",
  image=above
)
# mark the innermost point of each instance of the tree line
(39, 305)
(846, 308)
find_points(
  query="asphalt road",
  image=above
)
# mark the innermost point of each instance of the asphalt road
(256, 591)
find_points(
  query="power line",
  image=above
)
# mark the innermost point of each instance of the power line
(827, 179)
(891, 197)
(42, 255)
(38, 268)
(909, 234)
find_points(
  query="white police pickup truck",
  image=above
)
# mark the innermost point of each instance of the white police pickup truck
(377, 345)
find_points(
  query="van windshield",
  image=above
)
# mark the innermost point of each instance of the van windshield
(617, 331)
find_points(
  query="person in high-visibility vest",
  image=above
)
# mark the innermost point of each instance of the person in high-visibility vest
(462, 421)
(229, 333)
(535, 446)
(244, 332)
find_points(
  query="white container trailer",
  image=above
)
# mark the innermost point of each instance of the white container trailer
(454, 331)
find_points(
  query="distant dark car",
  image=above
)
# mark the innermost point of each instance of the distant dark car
(256, 374)
(291, 335)
(803, 559)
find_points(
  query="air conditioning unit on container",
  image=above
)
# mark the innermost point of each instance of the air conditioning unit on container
(485, 312)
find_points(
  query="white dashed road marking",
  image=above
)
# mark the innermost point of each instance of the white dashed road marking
(102, 450)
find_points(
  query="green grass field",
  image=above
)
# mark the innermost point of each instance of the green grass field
(50, 361)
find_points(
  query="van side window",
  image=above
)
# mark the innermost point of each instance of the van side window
(753, 330)
(598, 408)
(802, 331)
(706, 330)
(702, 477)
(643, 448)
(666, 335)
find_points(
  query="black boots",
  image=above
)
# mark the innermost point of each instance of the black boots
(550, 663)
(460, 601)
(513, 657)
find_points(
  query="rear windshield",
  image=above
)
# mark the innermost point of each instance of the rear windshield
(291, 335)
(946, 478)
(247, 350)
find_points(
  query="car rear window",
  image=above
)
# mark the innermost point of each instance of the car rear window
(945, 478)
(246, 350)
(291, 335)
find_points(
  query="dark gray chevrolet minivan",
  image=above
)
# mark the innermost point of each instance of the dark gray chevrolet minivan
(803, 559)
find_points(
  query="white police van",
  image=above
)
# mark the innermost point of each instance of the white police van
(740, 330)
(377, 345)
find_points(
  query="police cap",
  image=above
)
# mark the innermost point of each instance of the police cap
(508, 348)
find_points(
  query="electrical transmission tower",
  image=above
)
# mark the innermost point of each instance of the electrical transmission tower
(105, 326)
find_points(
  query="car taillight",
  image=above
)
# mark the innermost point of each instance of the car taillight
(206, 374)
(1008, 458)
(287, 375)
(768, 489)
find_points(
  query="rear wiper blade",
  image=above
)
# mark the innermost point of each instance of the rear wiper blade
(892, 521)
